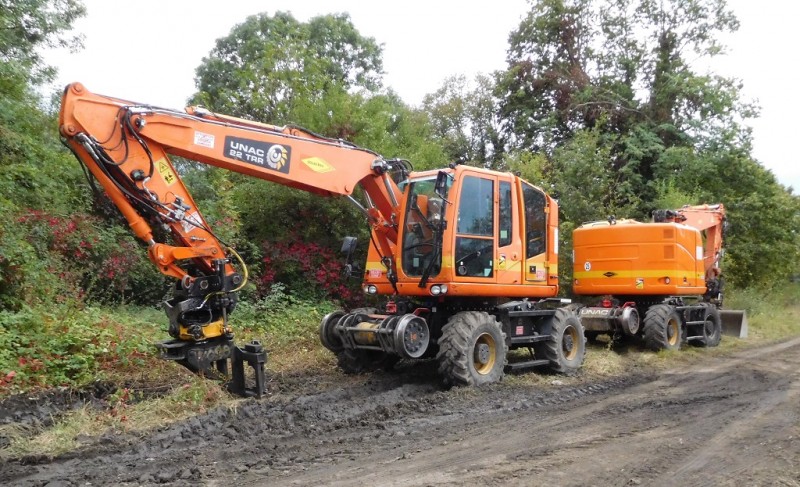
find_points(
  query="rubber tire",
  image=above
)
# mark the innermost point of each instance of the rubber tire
(714, 338)
(457, 344)
(565, 323)
(656, 321)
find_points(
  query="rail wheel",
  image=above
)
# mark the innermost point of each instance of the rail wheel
(567, 347)
(712, 328)
(472, 350)
(662, 328)
(355, 361)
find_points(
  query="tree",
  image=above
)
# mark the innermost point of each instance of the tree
(464, 120)
(26, 26)
(606, 92)
(267, 64)
(325, 76)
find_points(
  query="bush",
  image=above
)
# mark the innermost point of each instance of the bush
(66, 346)
(310, 272)
(282, 316)
(75, 258)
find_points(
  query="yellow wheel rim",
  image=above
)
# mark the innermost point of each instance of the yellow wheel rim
(484, 354)
(673, 332)
(569, 343)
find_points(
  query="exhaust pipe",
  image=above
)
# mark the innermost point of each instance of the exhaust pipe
(734, 322)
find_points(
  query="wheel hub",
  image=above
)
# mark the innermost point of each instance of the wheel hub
(568, 343)
(482, 353)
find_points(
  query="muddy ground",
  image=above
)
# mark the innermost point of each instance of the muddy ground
(731, 421)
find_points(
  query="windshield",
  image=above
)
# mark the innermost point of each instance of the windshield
(422, 238)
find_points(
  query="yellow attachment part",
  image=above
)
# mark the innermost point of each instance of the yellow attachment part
(211, 330)
(366, 337)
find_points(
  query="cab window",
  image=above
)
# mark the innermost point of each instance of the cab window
(535, 221)
(475, 228)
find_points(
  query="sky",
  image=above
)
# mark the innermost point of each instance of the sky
(147, 51)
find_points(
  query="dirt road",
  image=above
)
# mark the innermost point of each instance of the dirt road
(731, 421)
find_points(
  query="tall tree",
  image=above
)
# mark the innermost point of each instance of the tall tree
(612, 84)
(27, 26)
(464, 119)
(323, 75)
(269, 63)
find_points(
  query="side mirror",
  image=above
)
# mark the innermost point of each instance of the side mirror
(348, 248)
(440, 188)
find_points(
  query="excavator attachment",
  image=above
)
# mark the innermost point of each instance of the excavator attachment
(734, 322)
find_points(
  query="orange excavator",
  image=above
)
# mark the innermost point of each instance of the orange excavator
(660, 281)
(466, 257)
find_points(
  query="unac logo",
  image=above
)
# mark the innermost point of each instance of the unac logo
(277, 155)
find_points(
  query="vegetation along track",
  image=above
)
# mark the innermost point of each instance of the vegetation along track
(730, 421)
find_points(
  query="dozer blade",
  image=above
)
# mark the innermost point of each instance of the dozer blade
(734, 322)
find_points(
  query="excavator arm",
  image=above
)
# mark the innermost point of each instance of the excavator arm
(711, 220)
(127, 147)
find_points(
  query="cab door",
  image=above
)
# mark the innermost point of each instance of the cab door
(535, 240)
(475, 239)
(510, 251)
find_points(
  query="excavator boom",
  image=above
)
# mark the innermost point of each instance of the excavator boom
(127, 147)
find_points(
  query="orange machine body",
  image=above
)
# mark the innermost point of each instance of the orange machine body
(513, 265)
(632, 258)
(462, 251)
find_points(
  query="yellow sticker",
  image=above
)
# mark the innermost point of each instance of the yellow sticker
(166, 172)
(640, 283)
(317, 164)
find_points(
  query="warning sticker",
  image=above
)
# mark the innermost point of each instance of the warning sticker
(375, 273)
(318, 164)
(640, 283)
(166, 172)
(191, 221)
(203, 139)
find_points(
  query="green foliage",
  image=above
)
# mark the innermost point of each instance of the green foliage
(57, 345)
(605, 91)
(464, 120)
(26, 26)
(283, 317)
(269, 63)
(54, 258)
(322, 75)
(773, 313)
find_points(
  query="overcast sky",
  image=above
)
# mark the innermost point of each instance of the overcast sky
(147, 51)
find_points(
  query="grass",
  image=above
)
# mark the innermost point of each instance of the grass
(290, 333)
(126, 414)
(772, 315)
